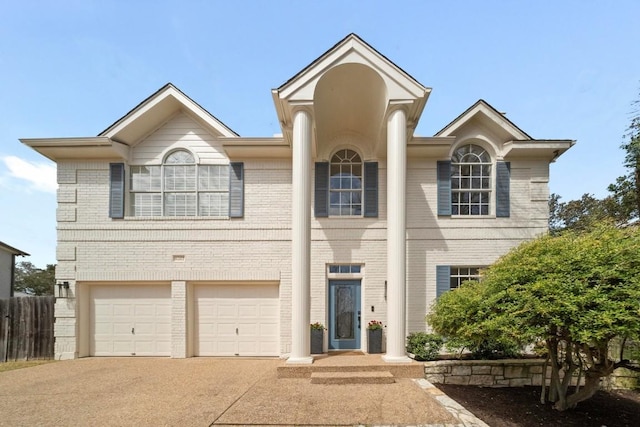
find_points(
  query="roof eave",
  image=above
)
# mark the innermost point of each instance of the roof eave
(98, 147)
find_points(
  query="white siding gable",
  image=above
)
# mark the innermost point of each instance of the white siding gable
(181, 131)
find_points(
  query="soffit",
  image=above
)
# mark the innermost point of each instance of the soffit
(99, 147)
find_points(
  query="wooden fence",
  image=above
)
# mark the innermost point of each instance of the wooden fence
(26, 328)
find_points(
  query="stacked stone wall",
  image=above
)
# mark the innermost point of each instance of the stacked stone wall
(488, 373)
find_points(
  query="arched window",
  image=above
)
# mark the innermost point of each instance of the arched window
(345, 184)
(470, 181)
(180, 187)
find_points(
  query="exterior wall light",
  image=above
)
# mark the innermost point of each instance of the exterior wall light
(63, 289)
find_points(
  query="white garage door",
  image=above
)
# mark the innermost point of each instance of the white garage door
(239, 320)
(130, 320)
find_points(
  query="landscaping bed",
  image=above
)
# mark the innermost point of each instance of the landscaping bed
(521, 407)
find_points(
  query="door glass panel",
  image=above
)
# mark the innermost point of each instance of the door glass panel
(344, 313)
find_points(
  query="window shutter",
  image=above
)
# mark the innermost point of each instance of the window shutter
(444, 188)
(443, 279)
(371, 189)
(116, 190)
(236, 190)
(503, 176)
(321, 205)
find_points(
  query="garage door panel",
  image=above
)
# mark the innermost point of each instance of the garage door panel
(252, 310)
(130, 320)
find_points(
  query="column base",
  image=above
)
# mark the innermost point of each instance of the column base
(396, 359)
(299, 360)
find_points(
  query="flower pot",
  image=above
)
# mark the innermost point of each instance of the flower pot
(374, 341)
(317, 341)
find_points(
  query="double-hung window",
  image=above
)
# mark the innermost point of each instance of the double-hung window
(180, 187)
(345, 184)
(451, 277)
(470, 181)
(466, 184)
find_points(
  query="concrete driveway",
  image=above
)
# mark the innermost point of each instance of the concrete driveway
(200, 392)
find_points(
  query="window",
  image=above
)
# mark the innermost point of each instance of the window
(459, 275)
(180, 187)
(345, 184)
(448, 277)
(470, 181)
(345, 269)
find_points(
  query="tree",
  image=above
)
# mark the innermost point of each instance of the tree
(582, 214)
(626, 189)
(574, 292)
(34, 281)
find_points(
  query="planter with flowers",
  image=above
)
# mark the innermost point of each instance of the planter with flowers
(317, 338)
(374, 337)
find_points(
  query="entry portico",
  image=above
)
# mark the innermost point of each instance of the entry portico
(353, 94)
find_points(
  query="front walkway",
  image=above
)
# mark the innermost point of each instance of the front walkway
(202, 392)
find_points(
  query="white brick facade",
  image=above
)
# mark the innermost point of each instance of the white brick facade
(94, 248)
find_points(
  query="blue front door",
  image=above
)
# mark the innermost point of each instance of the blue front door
(344, 314)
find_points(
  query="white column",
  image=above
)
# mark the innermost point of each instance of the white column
(396, 236)
(301, 240)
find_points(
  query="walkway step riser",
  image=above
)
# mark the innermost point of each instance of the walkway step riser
(348, 381)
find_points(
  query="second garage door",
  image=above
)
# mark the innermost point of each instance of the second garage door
(238, 320)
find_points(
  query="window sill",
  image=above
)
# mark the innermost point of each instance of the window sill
(175, 218)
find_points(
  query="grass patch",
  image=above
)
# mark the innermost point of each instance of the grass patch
(10, 366)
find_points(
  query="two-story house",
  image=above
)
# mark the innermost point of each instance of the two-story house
(178, 237)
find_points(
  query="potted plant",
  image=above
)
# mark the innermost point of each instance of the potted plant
(374, 337)
(317, 338)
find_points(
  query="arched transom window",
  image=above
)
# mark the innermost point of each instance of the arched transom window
(470, 181)
(180, 187)
(345, 184)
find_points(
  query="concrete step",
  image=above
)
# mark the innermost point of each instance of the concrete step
(357, 377)
(412, 370)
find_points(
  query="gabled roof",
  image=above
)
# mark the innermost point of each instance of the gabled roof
(357, 41)
(483, 109)
(155, 110)
(12, 250)
(391, 85)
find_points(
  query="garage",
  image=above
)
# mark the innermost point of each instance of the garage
(236, 320)
(130, 320)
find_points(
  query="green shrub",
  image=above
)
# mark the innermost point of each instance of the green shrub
(423, 345)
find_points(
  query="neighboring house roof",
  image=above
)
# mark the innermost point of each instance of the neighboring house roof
(12, 250)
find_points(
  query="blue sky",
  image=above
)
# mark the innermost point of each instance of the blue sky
(559, 69)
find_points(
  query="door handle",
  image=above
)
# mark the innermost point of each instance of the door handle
(358, 319)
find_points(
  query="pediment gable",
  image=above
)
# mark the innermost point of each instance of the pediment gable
(352, 50)
(154, 111)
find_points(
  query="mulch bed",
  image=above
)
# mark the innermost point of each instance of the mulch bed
(521, 407)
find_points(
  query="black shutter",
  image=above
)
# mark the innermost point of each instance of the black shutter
(371, 189)
(236, 190)
(116, 190)
(503, 178)
(443, 279)
(444, 188)
(321, 204)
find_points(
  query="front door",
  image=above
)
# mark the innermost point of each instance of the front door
(344, 314)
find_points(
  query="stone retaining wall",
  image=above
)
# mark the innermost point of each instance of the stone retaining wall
(487, 373)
